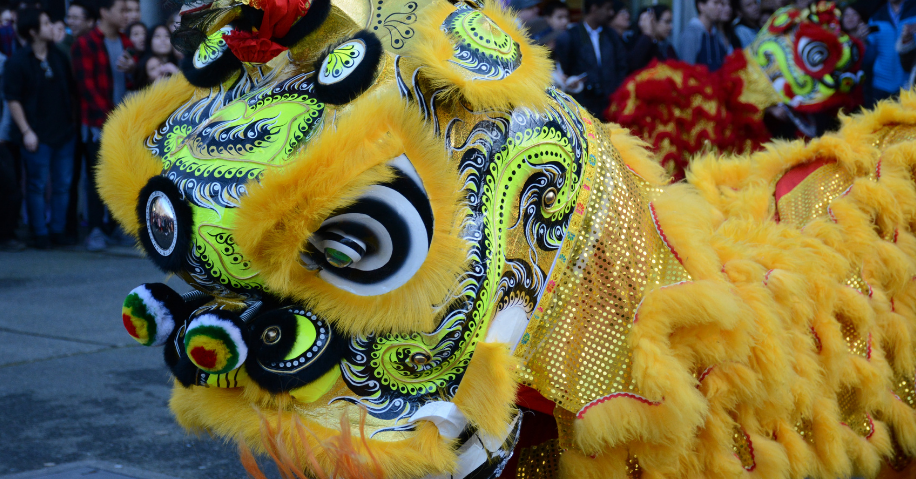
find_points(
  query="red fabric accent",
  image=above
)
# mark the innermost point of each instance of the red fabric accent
(796, 175)
(279, 16)
(249, 47)
(129, 325)
(203, 357)
(661, 233)
(530, 398)
(734, 124)
(598, 401)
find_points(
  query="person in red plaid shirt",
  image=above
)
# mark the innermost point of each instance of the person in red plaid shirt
(103, 65)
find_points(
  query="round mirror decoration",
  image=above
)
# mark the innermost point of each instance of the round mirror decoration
(161, 222)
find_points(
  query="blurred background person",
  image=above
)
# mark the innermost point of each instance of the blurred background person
(39, 88)
(620, 22)
(137, 33)
(104, 68)
(655, 25)
(746, 23)
(700, 42)
(160, 60)
(174, 22)
(7, 17)
(80, 19)
(724, 25)
(854, 22)
(906, 48)
(556, 14)
(131, 11)
(9, 38)
(768, 7)
(592, 61)
(888, 22)
(527, 16)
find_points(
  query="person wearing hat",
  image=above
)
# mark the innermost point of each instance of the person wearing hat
(594, 60)
(527, 13)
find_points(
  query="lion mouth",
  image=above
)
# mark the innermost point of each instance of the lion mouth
(194, 7)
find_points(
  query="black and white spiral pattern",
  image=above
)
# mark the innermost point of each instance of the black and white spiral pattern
(386, 233)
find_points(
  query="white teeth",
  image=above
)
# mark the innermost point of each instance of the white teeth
(796, 101)
(192, 6)
(780, 84)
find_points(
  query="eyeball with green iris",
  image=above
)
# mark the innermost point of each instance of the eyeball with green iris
(380, 241)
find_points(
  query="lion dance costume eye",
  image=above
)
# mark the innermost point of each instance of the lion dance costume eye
(411, 257)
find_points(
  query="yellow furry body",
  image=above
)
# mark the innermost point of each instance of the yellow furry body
(790, 353)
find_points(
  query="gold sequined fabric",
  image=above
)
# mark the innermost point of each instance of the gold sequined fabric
(853, 415)
(575, 349)
(812, 196)
(743, 448)
(539, 462)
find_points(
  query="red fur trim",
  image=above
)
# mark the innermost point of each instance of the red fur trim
(705, 373)
(612, 396)
(661, 233)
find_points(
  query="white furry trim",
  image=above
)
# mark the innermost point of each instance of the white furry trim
(165, 323)
(210, 319)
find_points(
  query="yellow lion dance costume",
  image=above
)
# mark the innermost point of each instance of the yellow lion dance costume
(413, 258)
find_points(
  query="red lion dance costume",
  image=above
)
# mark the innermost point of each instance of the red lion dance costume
(801, 60)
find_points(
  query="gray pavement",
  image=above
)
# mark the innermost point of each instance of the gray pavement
(74, 387)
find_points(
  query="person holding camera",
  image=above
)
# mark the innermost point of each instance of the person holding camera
(655, 25)
(592, 61)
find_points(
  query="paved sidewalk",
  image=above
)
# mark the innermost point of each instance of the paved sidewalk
(88, 470)
(75, 387)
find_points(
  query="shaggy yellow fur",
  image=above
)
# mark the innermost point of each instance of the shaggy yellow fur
(487, 391)
(280, 213)
(776, 338)
(802, 335)
(432, 49)
(228, 413)
(125, 164)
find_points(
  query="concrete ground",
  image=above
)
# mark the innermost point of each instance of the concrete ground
(74, 387)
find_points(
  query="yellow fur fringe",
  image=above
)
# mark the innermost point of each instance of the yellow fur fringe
(125, 164)
(802, 335)
(432, 49)
(487, 392)
(295, 441)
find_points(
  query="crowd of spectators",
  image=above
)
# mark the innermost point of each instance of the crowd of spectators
(61, 78)
(595, 55)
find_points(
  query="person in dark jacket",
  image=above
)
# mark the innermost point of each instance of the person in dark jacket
(593, 60)
(39, 88)
(655, 24)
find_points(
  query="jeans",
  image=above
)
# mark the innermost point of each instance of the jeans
(60, 163)
(94, 204)
(10, 194)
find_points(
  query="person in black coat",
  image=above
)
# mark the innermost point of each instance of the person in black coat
(593, 61)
